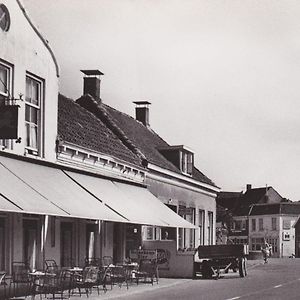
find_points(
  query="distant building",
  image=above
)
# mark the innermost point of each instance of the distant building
(258, 215)
(274, 223)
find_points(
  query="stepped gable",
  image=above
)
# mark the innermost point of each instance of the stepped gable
(80, 127)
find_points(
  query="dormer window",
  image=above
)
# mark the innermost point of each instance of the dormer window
(180, 156)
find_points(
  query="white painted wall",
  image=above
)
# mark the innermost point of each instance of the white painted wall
(24, 49)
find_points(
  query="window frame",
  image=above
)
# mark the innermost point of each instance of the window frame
(210, 225)
(39, 107)
(6, 97)
(260, 224)
(8, 84)
(253, 224)
(274, 223)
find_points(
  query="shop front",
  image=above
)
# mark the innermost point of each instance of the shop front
(49, 212)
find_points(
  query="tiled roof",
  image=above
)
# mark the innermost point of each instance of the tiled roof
(286, 208)
(148, 141)
(78, 126)
(229, 200)
(141, 140)
(251, 196)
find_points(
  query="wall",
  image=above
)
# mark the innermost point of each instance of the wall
(287, 246)
(178, 265)
(24, 49)
(175, 194)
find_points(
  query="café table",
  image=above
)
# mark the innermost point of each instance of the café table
(38, 280)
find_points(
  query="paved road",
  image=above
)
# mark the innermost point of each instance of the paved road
(279, 279)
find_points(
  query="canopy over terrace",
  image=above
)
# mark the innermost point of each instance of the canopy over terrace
(27, 187)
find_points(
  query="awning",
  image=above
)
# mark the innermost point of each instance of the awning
(41, 189)
(133, 202)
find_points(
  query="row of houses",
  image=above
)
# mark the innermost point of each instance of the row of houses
(80, 179)
(256, 216)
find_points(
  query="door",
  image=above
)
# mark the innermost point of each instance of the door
(2, 244)
(30, 243)
(66, 244)
(118, 243)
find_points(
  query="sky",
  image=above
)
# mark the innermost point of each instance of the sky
(222, 76)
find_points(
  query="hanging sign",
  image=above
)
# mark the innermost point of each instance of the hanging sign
(9, 121)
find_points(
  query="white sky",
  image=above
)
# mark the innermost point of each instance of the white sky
(222, 76)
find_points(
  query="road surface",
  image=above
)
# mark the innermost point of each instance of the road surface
(279, 279)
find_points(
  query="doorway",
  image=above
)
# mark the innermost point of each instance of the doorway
(30, 243)
(66, 244)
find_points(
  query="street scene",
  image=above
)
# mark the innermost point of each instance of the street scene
(149, 149)
(264, 281)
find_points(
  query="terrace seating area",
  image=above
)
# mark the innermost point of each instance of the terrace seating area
(55, 282)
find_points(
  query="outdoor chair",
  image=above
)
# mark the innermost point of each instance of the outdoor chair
(92, 261)
(148, 271)
(106, 261)
(20, 281)
(118, 275)
(51, 266)
(88, 280)
(3, 286)
(59, 286)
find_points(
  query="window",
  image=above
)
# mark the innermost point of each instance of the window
(253, 222)
(274, 224)
(5, 74)
(238, 225)
(210, 227)
(256, 244)
(187, 162)
(4, 18)
(190, 233)
(286, 224)
(33, 99)
(5, 93)
(201, 226)
(273, 242)
(260, 224)
(151, 233)
(181, 231)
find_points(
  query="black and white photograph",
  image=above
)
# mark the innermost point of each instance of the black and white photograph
(150, 149)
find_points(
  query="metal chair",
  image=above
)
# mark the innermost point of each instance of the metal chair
(58, 285)
(89, 261)
(51, 266)
(3, 285)
(107, 260)
(148, 270)
(118, 275)
(20, 279)
(88, 280)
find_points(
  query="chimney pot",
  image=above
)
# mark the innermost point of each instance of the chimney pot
(142, 112)
(248, 187)
(91, 83)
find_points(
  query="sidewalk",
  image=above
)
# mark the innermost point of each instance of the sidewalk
(134, 289)
(117, 292)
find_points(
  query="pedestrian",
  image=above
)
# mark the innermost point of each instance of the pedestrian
(265, 249)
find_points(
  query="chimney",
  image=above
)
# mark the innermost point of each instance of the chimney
(248, 187)
(142, 112)
(91, 83)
